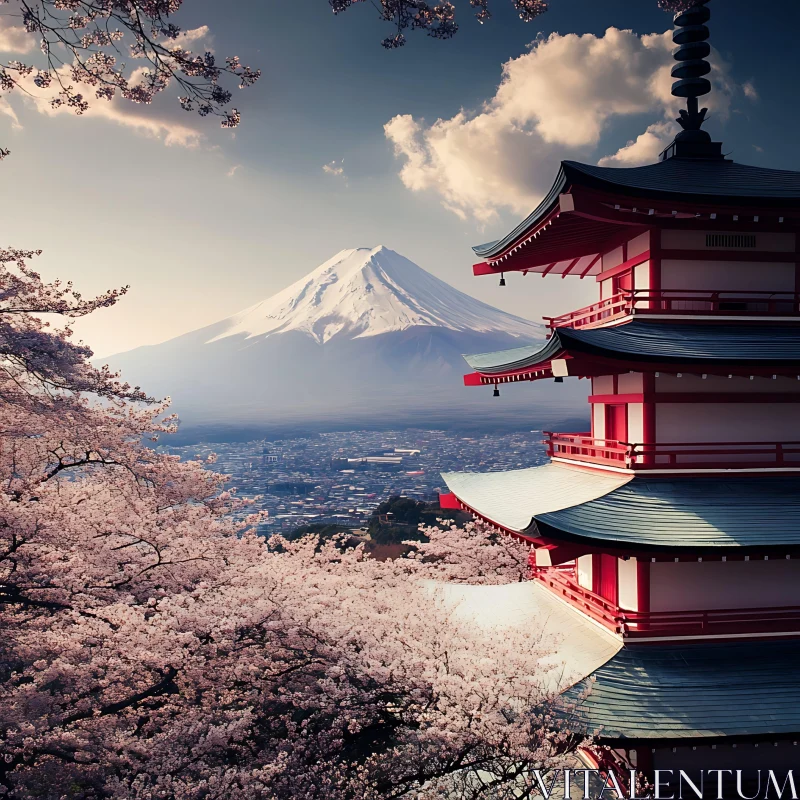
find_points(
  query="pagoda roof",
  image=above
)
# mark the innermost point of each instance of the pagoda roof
(701, 691)
(681, 181)
(612, 511)
(689, 513)
(513, 499)
(575, 646)
(655, 342)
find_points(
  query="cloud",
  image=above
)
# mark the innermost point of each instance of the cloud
(758, 149)
(553, 102)
(750, 91)
(187, 38)
(232, 171)
(644, 149)
(7, 111)
(157, 121)
(14, 38)
(335, 168)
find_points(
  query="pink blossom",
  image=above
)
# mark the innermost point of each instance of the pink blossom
(151, 646)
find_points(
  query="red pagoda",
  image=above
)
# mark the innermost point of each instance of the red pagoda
(674, 523)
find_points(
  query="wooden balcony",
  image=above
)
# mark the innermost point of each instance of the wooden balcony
(677, 303)
(655, 624)
(690, 456)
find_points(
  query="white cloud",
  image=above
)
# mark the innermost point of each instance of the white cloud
(644, 149)
(335, 168)
(14, 38)
(156, 121)
(7, 111)
(553, 102)
(232, 171)
(142, 119)
(187, 38)
(750, 91)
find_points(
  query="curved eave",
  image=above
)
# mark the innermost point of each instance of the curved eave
(511, 500)
(518, 358)
(613, 512)
(702, 183)
(640, 342)
(669, 693)
(540, 213)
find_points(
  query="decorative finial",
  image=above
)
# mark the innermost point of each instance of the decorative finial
(691, 37)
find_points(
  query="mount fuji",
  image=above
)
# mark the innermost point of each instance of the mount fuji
(367, 339)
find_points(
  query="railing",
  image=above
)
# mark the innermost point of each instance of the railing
(593, 605)
(691, 455)
(775, 619)
(608, 310)
(715, 455)
(582, 447)
(639, 624)
(681, 302)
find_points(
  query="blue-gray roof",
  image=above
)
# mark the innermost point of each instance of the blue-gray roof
(659, 342)
(516, 497)
(516, 358)
(718, 514)
(714, 181)
(493, 248)
(701, 514)
(700, 691)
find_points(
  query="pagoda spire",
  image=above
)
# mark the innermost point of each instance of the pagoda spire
(691, 36)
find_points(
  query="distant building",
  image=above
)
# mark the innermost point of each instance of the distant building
(376, 460)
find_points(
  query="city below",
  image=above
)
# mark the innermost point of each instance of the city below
(341, 478)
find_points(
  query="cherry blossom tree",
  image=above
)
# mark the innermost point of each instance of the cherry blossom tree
(439, 19)
(151, 646)
(474, 553)
(85, 46)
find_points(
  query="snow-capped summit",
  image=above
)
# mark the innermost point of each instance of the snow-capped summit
(367, 292)
(367, 338)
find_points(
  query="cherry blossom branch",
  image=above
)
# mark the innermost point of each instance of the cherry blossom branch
(438, 20)
(82, 44)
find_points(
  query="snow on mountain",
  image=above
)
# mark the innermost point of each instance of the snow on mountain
(367, 338)
(362, 292)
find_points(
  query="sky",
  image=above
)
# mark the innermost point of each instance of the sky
(427, 149)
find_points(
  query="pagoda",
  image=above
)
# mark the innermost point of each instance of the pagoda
(674, 522)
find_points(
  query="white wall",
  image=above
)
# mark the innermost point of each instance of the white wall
(628, 584)
(696, 240)
(585, 572)
(603, 385)
(598, 420)
(641, 276)
(636, 423)
(639, 244)
(727, 422)
(630, 383)
(612, 259)
(694, 586)
(731, 275)
(721, 384)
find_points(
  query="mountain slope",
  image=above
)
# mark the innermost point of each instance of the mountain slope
(364, 292)
(368, 338)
